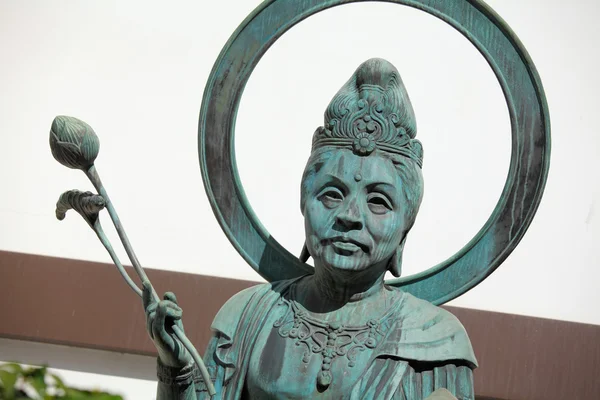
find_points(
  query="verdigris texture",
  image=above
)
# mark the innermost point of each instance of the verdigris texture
(529, 163)
(341, 332)
(338, 330)
(74, 144)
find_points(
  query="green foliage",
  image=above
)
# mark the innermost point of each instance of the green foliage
(19, 383)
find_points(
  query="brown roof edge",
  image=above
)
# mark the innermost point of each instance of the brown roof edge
(87, 304)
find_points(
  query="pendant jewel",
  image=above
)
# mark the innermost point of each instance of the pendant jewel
(331, 340)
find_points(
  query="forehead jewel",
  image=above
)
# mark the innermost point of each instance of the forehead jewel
(371, 111)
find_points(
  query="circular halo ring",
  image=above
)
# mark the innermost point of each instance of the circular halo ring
(522, 192)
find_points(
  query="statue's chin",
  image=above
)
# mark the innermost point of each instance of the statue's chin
(345, 258)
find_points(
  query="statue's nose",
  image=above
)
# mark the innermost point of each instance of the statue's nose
(350, 217)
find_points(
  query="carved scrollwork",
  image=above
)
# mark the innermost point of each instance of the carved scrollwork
(87, 204)
(329, 339)
(372, 111)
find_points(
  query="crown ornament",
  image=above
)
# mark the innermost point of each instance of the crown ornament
(371, 111)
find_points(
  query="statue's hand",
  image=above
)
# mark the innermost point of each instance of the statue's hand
(160, 317)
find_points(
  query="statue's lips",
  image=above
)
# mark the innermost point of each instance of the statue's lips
(346, 244)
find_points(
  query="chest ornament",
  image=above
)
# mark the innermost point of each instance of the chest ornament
(330, 339)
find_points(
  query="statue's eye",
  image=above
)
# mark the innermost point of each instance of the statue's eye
(379, 203)
(331, 197)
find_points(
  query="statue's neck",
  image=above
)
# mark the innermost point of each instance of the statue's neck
(336, 288)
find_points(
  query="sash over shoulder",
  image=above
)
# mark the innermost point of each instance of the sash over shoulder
(421, 332)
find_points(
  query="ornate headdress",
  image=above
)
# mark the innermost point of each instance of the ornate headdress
(371, 111)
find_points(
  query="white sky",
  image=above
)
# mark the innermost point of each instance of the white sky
(135, 70)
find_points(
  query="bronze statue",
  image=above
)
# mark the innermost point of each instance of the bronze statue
(340, 333)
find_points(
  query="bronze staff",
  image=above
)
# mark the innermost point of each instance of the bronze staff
(74, 144)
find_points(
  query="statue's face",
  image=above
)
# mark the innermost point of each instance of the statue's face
(354, 214)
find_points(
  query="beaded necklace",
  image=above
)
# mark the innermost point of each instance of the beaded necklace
(331, 339)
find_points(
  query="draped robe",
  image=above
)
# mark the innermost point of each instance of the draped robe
(426, 348)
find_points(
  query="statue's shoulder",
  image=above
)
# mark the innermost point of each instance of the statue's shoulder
(230, 313)
(424, 315)
(430, 333)
(262, 295)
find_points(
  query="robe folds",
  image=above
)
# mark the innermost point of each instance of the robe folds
(426, 348)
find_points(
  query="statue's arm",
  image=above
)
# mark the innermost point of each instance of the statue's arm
(187, 383)
(422, 382)
(459, 381)
(176, 384)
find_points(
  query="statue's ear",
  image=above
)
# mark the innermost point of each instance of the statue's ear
(304, 255)
(395, 266)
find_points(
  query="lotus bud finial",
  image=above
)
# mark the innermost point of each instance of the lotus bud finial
(74, 143)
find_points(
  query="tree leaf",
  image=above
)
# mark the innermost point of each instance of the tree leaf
(11, 367)
(36, 378)
(8, 381)
(56, 381)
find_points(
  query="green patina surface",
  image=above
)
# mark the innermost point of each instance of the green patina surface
(528, 167)
(339, 332)
(336, 330)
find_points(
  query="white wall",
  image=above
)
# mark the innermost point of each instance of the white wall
(135, 70)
